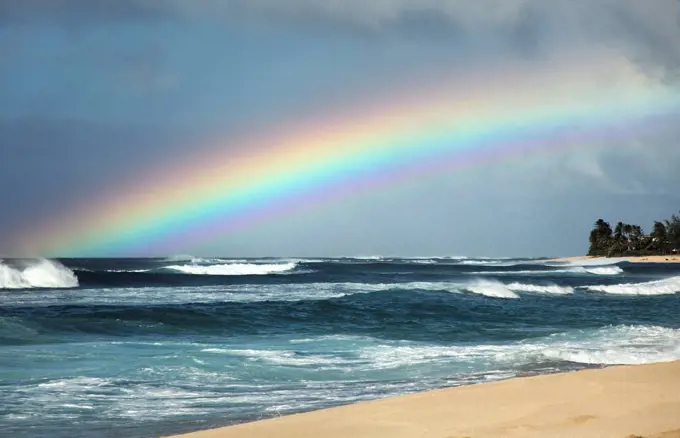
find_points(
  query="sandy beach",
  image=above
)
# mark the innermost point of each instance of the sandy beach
(617, 402)
(640, 259)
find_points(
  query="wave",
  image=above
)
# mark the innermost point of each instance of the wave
(496, 289)
(620, 345)
(37, 274)
(277, 357)
(234, 269)
(179, 258)
(120, 270)
(590, 262)
(545, 289)
(604, 270)
(489, 288)
(258, 293)
(666, 286)
(611, 345)
(486, 262)
(423, 261)
(200, 260)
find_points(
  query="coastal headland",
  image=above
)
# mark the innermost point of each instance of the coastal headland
(640, 401)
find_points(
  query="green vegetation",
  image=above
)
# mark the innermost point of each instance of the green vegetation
(630, 240)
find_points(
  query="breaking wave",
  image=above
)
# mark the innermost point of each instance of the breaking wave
(593, 262)
(490, 262)
(489, 288)
(496, 289)
(601, 270)
(666, 286)
(542, 289)
(612, 345)
(234, 269)
(37, 274)
(620, 345)
(595, 270)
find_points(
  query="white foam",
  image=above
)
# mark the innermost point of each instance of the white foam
(279, 357)
(544, 289)
(658, 287)
(591, 262)
(127, 270)
(490, 288)
(38, 274)
(235, 269)
(423, 261)
(483, 262)
(620, 345)
(607, 346)
(604, 270)
(333, 338)
(179, 258)
(75, 384)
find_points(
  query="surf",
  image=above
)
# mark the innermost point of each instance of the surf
(665, 286)
(233, 268)
(40, 273)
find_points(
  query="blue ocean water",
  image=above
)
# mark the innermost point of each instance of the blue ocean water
(151, 347)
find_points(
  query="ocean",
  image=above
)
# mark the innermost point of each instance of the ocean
(151, 347)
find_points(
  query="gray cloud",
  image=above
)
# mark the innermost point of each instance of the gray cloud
(630, 179)
(646, 31)
(649, 32)
(80, 12)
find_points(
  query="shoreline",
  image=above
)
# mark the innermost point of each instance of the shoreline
(628, 401)
(630, 259)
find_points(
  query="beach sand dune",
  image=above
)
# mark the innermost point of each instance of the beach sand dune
(617, 402)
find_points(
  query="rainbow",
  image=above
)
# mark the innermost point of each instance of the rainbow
(464, 123)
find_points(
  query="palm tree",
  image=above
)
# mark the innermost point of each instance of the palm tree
(673, 230)
(627, 230)
(600, 238)
(603, 228)
(659, 236)
(630, 238)
(618, 232)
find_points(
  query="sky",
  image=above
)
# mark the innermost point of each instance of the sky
(97, 94)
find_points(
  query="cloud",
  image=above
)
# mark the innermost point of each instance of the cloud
(648, 32)
(80, 12)
(629, 44)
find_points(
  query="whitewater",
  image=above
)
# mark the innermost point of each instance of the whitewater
(152, 347)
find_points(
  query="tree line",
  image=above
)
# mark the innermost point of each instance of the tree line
(630, 240)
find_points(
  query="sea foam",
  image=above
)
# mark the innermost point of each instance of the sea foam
(490, 288)
(666, 286)
(621, 344)
(603, 270)
(37, 274)
(541, 289)
(234, 269)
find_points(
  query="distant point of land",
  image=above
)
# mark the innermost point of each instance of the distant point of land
(627, 240)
